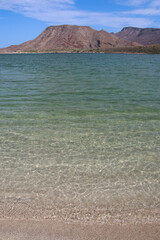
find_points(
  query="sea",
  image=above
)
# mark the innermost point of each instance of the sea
(80, 137)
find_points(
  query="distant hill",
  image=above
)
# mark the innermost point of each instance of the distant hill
(70, 37)
(144, 36)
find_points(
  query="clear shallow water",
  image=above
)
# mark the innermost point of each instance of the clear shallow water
(80, 134)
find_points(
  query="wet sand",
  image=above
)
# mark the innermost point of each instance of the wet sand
(54, 230)
(18, 222)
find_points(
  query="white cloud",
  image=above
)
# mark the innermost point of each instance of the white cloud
(133, 2)
(24, 5)
(155, 3)
(65, 12)
(150, 8)
(144, 12)
(140, 3)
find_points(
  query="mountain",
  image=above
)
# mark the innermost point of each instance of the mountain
(70, 37)
(144, 36)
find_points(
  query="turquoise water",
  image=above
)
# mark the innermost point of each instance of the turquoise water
(79, 135)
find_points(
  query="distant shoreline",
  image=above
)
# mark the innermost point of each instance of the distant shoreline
(20, 53)
(149, 49)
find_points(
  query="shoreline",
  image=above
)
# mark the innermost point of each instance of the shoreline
(142, 49)
(136, 53)
(20, 222)
(58, 230)
(74, 214)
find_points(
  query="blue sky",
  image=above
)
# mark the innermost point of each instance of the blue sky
(22, 20)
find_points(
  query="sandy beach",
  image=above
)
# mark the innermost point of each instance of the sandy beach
(53, 230)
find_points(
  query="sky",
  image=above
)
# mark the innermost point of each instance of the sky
(23, 20)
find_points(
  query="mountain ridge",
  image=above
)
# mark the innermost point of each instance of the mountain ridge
(144, 36)
(70, 37)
